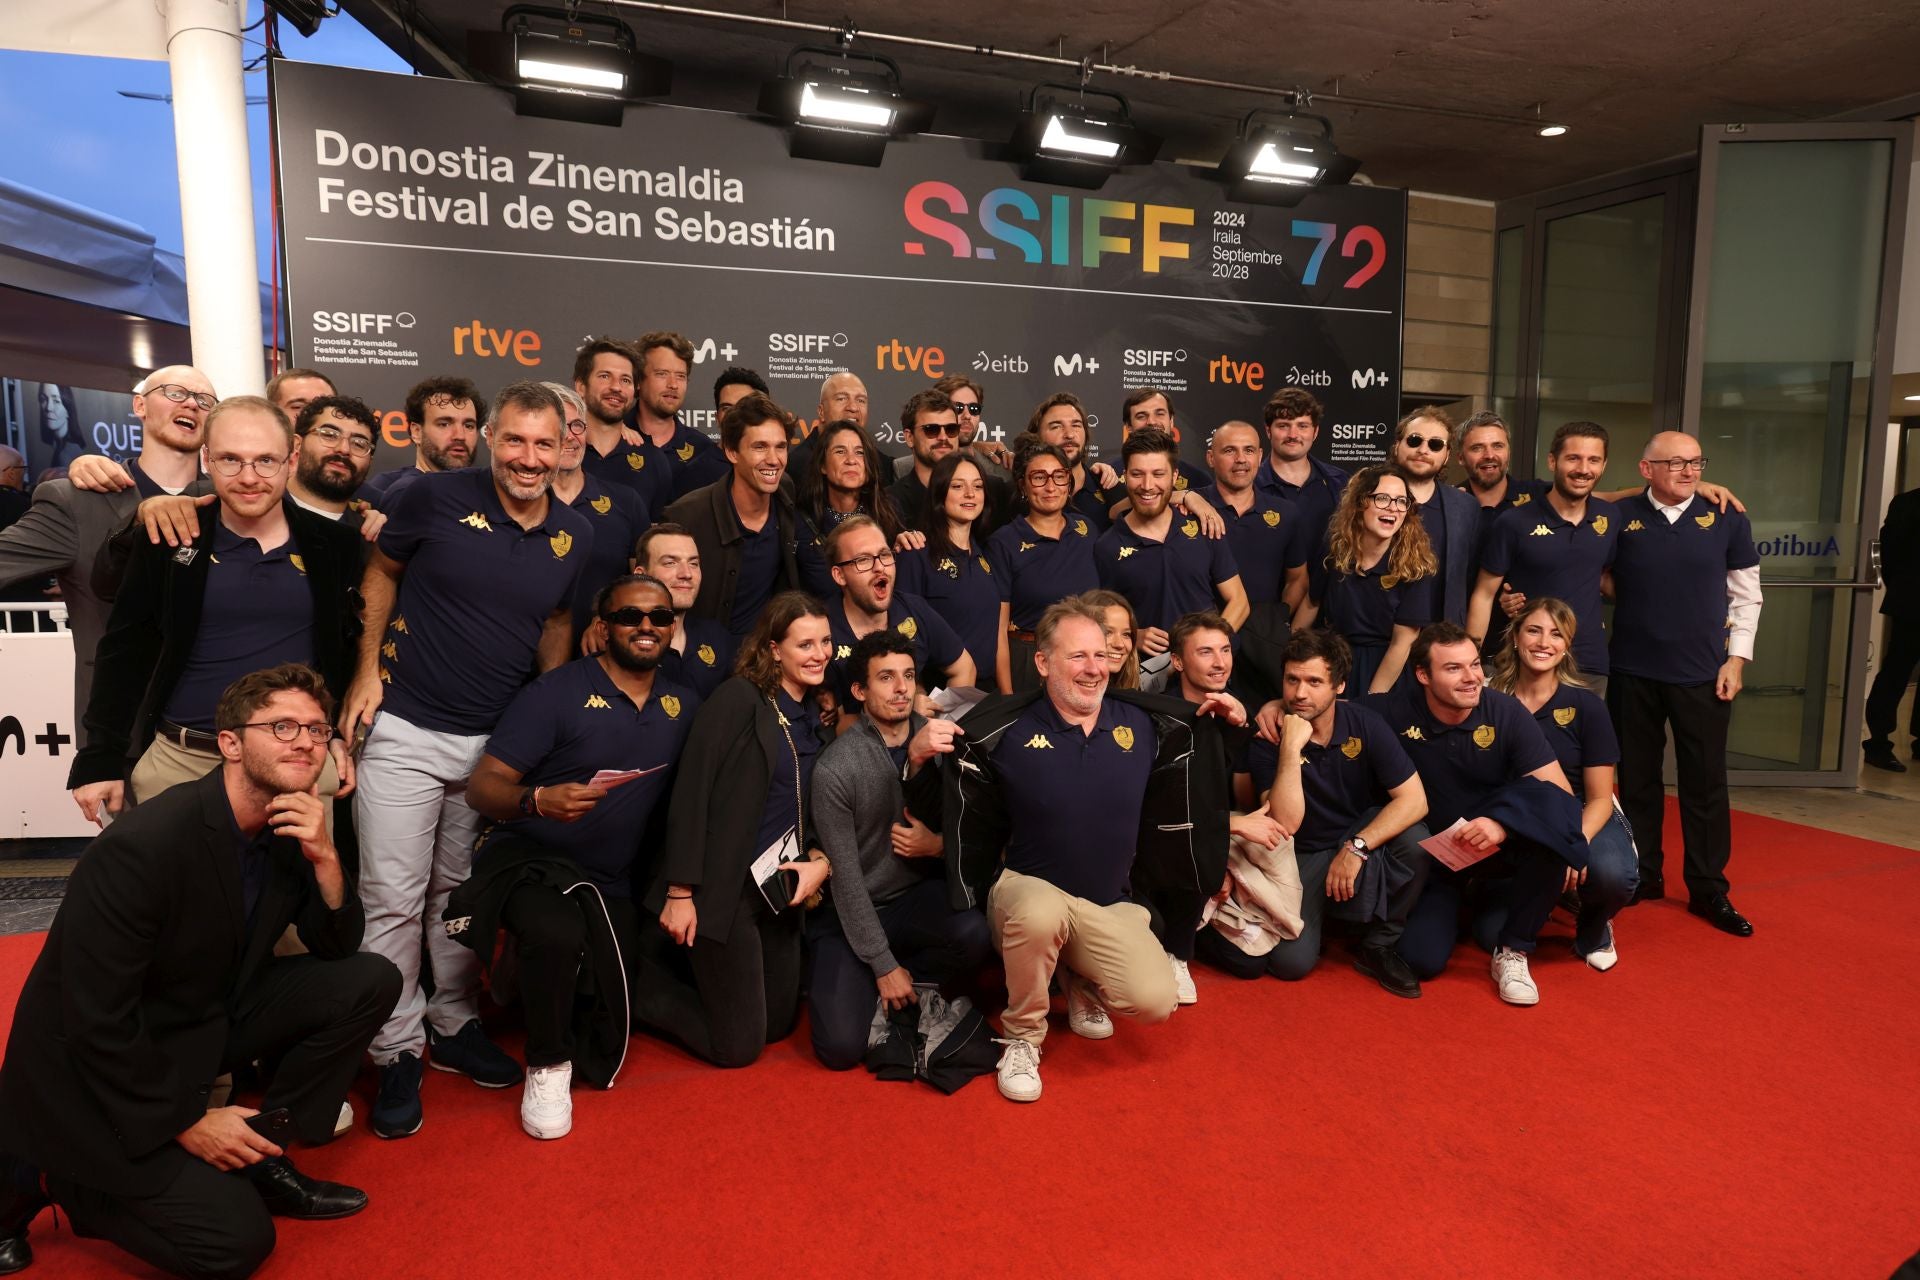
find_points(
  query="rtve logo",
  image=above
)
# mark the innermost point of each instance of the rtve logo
(476, 339)
(898, 357)
(1250, 374)
(1067, 366)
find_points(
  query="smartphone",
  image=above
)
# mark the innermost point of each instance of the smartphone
(275, 1126)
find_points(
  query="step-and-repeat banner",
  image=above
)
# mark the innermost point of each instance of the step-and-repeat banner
(430, 230)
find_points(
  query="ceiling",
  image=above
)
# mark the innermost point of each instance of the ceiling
(1633, 79)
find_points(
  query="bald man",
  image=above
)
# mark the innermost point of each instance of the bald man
(65, 530)
(842, 395)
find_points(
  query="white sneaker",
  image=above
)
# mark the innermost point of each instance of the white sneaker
(546, 1103)
(1020, 1070)
(1183, 992)
(1605, 956)
(1511, 979)
(345, 1122)
(1085, 1014)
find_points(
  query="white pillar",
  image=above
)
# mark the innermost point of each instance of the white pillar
(216, 191)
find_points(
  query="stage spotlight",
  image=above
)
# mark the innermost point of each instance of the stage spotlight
(1552, 130)
(841, 106)
(1279, 159)
(1065, 139)
(584, 67)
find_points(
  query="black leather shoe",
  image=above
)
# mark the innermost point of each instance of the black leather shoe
(292, 1194)
(18, 1209)
(1650, 889)
(1880, 755)
(1384, 966)
(1719, 913)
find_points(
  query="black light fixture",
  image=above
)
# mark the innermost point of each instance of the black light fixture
(1073, 136)
(841, 106)
(563, 65)
(1280, 156)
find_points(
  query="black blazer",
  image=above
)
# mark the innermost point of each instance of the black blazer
(156, 618)
(707, 514)
(1900, 557)
(123, 1021)
(719, 792)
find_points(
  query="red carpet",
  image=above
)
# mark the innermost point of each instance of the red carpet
(1711, 1107)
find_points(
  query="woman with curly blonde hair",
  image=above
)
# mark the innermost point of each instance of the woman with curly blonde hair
(1381, 578)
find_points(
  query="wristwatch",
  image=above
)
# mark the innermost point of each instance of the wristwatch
(1358, 846)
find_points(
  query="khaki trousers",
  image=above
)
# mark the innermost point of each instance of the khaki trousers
(1037, 926)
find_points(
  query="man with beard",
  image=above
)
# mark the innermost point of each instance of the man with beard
(559, 862)
(606, 375)
(1421, 446)
(1485, 455)
(264, 582)
(1560, 546)
(1061, 421)
(65, 529)
(932, 427)
(1164, 569)
(863, 568)
(444, 418)
(159, 973)
(1266, 533)
(617, 514)
(469, 590)
(743, 523)
(700, 654)
(292, 390)
(334, 439)
(692, 459)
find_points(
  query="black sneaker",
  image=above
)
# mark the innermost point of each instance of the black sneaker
(1385, 966)
(1880, 756)
(469, 1053)
(396, 1110)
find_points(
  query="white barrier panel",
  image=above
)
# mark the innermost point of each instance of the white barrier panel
(36, 728)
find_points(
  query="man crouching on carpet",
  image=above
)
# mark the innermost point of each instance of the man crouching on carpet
(159, 974)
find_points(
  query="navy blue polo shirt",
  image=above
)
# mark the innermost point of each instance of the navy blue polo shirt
(759, 568)
(936, 646)
(960, 586)
(1670, 589)
(708, 658)
(1361, 762)
(567, 726)
(146, 486)
(1361, 607)
(1266, 541)
(1091, 501)
(642, 468)
(1164, 580)
(1541, 554)
(693, 459)
(257, 612)
(1460, 765)
(1032, 571)
(618, 516)
(1315, 500)
(803, 737)
(477, 591)
(1578, 728)
(1073, 799)
(1519, 493)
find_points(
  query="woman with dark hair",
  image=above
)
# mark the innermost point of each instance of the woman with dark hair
(1123, 657)
(844, 476)
(1381, 575)
(1535, 665)
(951, 573)
(1044, 555)
(59, 426)
(741, 859)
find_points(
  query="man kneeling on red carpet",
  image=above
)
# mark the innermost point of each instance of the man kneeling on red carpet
(1062, 805)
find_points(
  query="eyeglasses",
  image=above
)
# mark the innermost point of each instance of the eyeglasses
(289, 730)
(1048, 479)
(359, 446)
(1680, 464)
(867, 564)
(634, 615)
(576, 426)
(180, 395)
(265, 468)
(1434, 444)
(940, 428)
(965, 410)
(1389, 501)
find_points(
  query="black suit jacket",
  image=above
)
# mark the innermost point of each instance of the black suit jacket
(1900, 557)
(123, 1021)
(707, 513)
(156, 619)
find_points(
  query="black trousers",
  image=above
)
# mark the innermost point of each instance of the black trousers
(1890, 682)
(1642, 710)
(552, 933)
(745, 992)
(317, 1018)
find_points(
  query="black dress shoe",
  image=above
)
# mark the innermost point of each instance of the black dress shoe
(1384, 966)
(1719, 913)
(292, 1194)
(1650, 889)
(18, 1208)
(1880, 756)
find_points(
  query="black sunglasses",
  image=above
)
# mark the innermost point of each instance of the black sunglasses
(940, 428)
(1435, 444)
(634, 615)
(965, 410)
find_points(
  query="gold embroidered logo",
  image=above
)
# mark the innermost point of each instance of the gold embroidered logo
(602, 504)
(1350, 748)
(386, 676)
(636, 460)
(299, 564)
(1412, 733)
(1124, 736)
(1705, 521)
(908, 627)
(1027, 546)
(390, 651)
(477, 521)
(400, 625)
(705, 654)
(1483, 736)
(1080, 527)
(1272, 519)
(1039, 742)
(948, 567)
(1563, 716)
(1191, 528)
(1125, 552)
(1600, 525)
(1179, 483)
(685, 452)
(1523, 500)
(670, 705)
(597, 703)
(1634, 526)
(844, 651)
(984, 566)
(1541, 531)
(561, 542)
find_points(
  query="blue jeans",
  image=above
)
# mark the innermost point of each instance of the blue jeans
(1523, 880)
(1613, 872)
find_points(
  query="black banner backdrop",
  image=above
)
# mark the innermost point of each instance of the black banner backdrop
(430, 230)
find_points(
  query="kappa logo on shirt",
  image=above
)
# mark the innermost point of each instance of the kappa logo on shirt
(636, 460)
(948, 567)
(684, 452)
(1272, 519)
(386, 676)
(390, 650)
(400, 625)
(1541, 531)
(1523, 500)
(1028, 546)
(844, 651)
(1634, 526)
(1038, 742)
(602, 504)
(1412, 733)
(1600, 525)
(1125, 552)
(477, 521)
(597, 703)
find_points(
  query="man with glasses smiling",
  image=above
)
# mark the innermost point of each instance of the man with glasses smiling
(1686, 589)
(1451, 518)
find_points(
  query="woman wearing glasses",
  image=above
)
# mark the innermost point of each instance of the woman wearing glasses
(952, 572)
(1045, 555)
(1381, 576)
(843, 477)
(741, 858)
